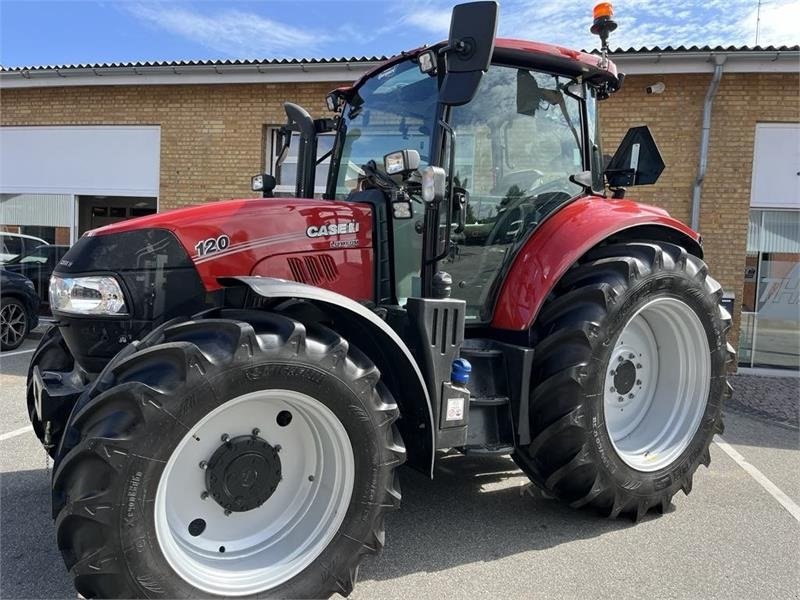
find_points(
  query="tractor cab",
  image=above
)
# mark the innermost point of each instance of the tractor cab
(501, 132)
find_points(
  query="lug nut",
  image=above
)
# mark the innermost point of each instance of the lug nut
(631, 356)
(613, 390)
(256, 431)
(621, 399)
(639, 382)
(613, 373)
(621, 359)
(204, 495)
(203, 464)
(630, 396)
(225, 437)
(638, 365)
(278, 447)
(311, 478)
(227, 513)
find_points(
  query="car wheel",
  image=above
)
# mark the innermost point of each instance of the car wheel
(14, 320)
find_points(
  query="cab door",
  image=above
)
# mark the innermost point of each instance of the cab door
(517, 143)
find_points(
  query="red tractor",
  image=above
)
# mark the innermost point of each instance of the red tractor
(230, 388)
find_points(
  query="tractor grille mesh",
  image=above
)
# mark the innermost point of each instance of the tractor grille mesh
(316, 269)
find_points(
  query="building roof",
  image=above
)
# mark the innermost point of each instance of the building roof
(643, 60)
(198, 63)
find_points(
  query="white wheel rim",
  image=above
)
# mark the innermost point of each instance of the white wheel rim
(268, 545)
(656, 384)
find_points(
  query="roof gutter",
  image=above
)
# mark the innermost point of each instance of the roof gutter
(185, 74)
(697, 191)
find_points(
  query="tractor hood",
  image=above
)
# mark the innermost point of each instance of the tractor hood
(169, 264)
(242, 237)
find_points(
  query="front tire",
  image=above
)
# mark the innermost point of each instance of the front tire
(230, 459)
(628, 379)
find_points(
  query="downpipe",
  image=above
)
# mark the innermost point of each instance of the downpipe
(711, 93)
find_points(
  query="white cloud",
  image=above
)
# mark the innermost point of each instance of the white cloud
(641, 22)
(780, 23)
(233, 32)
(246, 34)
(433, 20)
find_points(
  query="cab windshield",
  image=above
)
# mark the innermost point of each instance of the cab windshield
(394, 110)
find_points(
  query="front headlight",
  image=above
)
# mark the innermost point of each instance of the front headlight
(96, 295)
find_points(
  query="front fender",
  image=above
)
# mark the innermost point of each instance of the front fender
(381, 343)
(566, 236)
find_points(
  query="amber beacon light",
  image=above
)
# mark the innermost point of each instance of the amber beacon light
(603, 25)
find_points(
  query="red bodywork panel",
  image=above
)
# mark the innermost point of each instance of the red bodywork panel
(276, 237)
(558, 243)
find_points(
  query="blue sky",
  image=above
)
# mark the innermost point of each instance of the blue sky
(49, 32)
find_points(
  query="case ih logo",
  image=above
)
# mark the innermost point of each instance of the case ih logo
(332, 229)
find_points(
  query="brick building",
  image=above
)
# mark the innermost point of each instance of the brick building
(83, 146)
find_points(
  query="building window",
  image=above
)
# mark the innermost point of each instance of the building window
(770, 332)
(286, 173)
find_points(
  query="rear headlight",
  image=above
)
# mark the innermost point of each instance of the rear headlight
(96, 295)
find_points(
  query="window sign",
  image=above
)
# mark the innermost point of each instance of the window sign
(770, 333)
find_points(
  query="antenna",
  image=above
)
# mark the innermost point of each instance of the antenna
(758, 19)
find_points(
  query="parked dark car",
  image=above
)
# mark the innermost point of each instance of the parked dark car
(37, 265)
(19, 309)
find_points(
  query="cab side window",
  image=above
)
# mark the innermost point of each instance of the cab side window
(518, 143)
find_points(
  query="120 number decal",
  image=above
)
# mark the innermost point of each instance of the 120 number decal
(211, 245)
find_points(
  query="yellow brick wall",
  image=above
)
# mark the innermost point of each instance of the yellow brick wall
(212, 136)
(675, 117)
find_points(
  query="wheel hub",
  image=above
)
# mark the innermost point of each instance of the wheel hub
(625, 377)
(243, 473)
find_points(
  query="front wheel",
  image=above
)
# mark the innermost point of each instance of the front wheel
(229, 460)
(628, 379)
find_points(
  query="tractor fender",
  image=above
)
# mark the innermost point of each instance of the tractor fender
(566, 236)
(374, 337)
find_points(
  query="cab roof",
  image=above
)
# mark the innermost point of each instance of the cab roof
(525, 54)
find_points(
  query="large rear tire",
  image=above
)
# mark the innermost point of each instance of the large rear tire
(628, 379)
(230, 459)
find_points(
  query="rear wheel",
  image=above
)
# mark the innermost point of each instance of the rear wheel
(628, 379)
(230, 459)
(14, 323)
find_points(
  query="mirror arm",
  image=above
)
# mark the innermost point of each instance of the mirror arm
(450, 192)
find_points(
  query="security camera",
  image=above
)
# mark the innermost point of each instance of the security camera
(656, 88)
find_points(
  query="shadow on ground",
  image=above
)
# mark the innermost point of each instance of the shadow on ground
(474, 511)
(31, 566)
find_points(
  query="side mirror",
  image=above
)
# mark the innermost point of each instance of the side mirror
(263, 183)
(469, 50)
(637, 161)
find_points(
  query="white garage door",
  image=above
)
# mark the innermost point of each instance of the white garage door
(80, 160)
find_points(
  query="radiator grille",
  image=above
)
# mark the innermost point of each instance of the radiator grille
(316, 269)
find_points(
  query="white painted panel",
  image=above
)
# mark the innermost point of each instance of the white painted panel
(86, 160)
(776, 166)
(44, 210)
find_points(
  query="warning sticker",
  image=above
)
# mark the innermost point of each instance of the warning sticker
(455, 409)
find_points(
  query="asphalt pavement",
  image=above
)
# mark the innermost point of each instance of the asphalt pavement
(474, 531)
